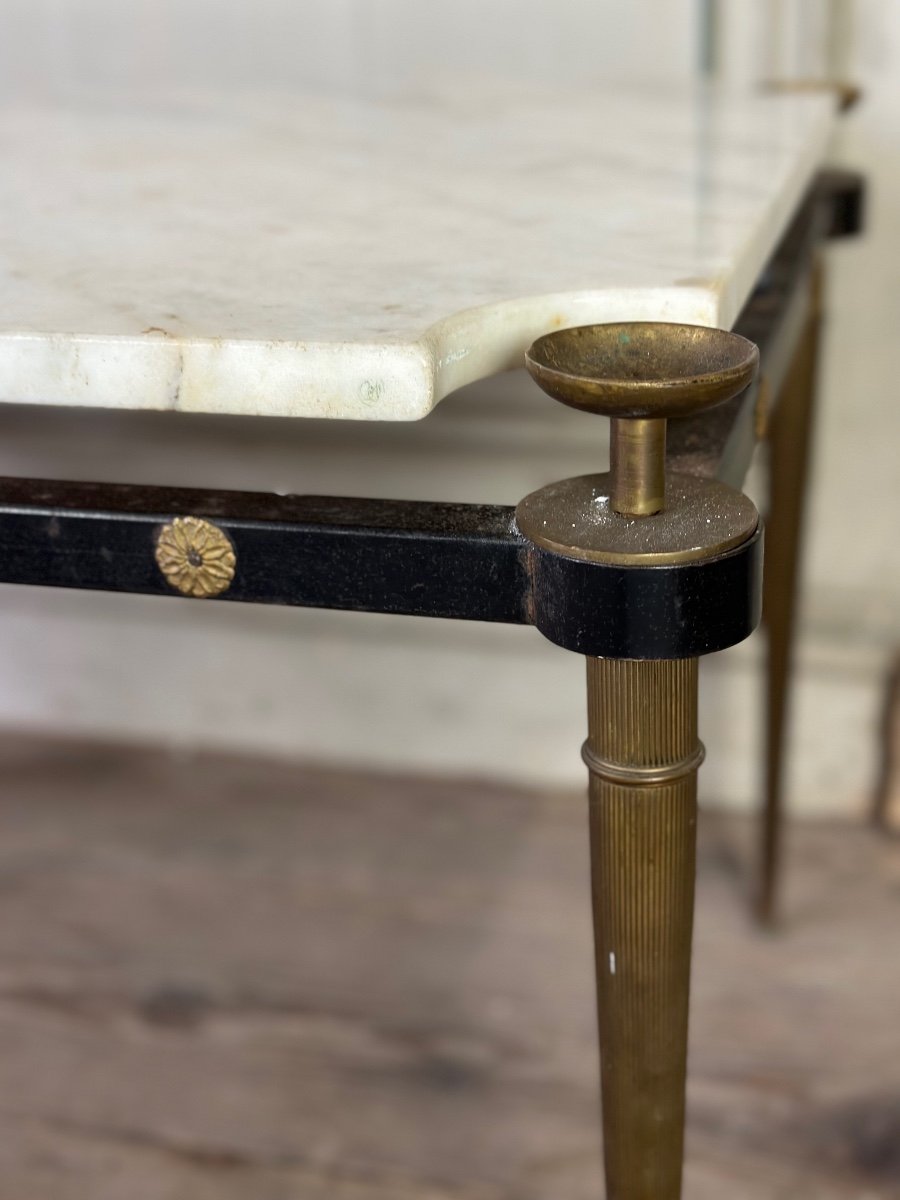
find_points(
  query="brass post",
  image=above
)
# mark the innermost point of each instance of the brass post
(643, 754)
(638, 465)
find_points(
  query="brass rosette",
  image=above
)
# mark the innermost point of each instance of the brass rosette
(196, 557)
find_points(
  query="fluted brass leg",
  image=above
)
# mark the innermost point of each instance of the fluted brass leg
(643, 754)
(642, 748)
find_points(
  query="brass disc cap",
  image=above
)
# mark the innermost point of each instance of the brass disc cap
(642, 369)
(702, 519)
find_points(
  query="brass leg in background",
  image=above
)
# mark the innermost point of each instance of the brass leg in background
(642, 752)
(790, 435)
(887, 752)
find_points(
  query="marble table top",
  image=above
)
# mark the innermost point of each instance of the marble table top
(311, 256)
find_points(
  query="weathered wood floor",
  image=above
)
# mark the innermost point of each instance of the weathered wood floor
(237, 980)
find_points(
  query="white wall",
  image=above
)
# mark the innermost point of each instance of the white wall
(423, 694)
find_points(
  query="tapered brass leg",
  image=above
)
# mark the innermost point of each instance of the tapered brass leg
(645, 540)
(790, 436)
(643, 755)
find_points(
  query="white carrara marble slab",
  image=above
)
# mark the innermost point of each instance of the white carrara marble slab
(306, 256)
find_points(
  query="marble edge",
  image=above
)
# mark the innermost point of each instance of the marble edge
(242, 377)
(391, 381)
(460, 360)
(774, 223)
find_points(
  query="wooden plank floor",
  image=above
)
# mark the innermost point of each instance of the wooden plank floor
(239, 980)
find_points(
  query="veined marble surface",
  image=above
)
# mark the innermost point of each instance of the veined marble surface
(305, 256)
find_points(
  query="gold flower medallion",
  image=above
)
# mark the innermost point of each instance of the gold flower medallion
(196, 557)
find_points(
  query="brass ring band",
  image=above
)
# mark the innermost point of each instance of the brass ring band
(642, 776)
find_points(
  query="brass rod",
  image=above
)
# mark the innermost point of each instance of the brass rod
(638, 465)
(643, 755)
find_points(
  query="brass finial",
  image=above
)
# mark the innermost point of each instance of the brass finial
(639, 374)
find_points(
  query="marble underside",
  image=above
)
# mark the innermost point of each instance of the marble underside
(307, 256)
